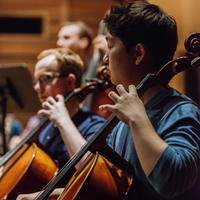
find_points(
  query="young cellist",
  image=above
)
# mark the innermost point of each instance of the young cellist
(159, 133)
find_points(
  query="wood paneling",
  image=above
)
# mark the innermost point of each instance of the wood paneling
(25, 47)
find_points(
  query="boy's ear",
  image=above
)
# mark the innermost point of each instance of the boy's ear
(140, 52)
(71, 80)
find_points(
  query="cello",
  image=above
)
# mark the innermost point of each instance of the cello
(24, 169)
(76, 187)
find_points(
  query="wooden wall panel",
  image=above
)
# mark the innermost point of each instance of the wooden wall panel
(53, 13)
(90, 11)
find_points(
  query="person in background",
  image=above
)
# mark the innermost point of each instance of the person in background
(57, 72)
(77, 36)
(159, 132)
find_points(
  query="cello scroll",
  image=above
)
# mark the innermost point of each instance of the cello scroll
(190, 60)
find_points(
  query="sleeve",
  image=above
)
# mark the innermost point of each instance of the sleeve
(91, 126)
(181, 130)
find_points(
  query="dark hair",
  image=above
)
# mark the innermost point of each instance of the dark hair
(141, 22)
(84, 30)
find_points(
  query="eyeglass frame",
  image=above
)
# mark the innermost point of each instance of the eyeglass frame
(47, 78)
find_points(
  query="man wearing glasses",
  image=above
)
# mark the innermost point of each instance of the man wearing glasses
(57, 72)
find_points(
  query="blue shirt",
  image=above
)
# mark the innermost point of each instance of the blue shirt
(176, 174)
(86, 122)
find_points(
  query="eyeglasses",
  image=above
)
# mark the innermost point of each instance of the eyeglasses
(45, 79)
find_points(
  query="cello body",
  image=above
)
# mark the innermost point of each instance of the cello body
(99, 179)
(27, 172)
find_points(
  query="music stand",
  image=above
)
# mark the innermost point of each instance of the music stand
(16, 93)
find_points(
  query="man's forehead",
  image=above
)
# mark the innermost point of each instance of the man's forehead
(47, 63)
(68, 29)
